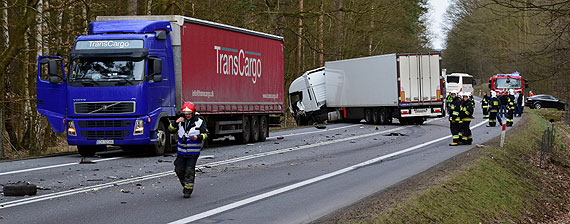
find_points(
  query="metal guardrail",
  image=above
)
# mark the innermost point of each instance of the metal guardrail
(547, 143)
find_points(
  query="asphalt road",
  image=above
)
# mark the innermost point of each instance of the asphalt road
(307, 175)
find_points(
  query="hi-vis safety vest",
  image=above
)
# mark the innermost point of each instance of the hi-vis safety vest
(187, 146)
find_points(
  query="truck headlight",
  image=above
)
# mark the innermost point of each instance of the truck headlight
(71, 129)
(139, 127)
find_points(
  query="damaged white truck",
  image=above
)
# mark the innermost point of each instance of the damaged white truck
(405, 86)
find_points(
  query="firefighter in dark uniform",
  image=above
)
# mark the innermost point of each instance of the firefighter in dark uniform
(466, 114)
(494, 106)
(485, 105)
(454, 119)
(510, 107)
(192, 134)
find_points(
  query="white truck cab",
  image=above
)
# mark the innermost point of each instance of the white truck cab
(307, 93)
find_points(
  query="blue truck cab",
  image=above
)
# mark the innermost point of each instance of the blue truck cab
(119, 89)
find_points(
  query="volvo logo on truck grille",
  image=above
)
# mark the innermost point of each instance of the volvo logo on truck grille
(105, 108)
(240, 62)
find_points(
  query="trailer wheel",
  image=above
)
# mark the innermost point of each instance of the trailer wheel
(88, 150)
(368, 115)
(159, 147)
(383, 116)
(243, 138)
(254, 129)
(376, 116)
(263, 128)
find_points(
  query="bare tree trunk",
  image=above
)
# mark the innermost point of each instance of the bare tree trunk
(320, 38)
(132, 8)
(39, 28)
(5, 32)
(149, 7)
(371, 31)
(299, 38)
(340, 19)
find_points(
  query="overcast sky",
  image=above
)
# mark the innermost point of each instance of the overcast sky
(435, 17)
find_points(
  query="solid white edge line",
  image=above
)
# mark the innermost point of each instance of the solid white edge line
(304, 183)
(53, 166)
(166, 173)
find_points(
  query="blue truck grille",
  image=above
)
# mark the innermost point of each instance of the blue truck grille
(104, 134)
(105, 108)
(104, 124)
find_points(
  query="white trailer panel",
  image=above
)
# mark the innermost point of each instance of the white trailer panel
(362, 82)
(419, 78)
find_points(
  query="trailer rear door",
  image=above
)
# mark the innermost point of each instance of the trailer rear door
(419, 77)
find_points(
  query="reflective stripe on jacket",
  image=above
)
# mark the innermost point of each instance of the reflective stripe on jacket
(186, 130)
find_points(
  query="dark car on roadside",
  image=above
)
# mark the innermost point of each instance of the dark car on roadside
(545, 101)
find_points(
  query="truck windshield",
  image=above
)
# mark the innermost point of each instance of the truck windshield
(452, 79)
(508, 83)
(97, 70)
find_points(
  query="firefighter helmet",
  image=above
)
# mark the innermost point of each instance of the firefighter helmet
(511, 91)
(188, 108)
(493, 94)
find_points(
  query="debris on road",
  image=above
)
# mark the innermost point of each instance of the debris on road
(20, 189)
(94, 179)
(276, 143)
(480, 146)
(320, 126)
(207, 157)
(125, 191)
(395, 134)
(164, 161)
(112, 177)
(376, 127)
(250, 144)
(280, 137)
(85, 161)
(40, 188)
(352, 141)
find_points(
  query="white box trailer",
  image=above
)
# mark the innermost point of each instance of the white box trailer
(377, 89)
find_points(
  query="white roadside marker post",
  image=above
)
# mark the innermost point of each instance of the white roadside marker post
(503, 135)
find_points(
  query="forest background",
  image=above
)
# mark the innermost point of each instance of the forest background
(484, 37)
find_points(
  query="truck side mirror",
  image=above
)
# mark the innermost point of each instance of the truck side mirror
(53, 79)
(160, 34)
(157, 78)
(52, 68)
(156, 66)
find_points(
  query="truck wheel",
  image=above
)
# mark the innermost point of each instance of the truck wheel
(254, 129)
(263, 128)
(368, 115)
(383, 116)
(159, 147)
(243, 138)
(88, 150)
(376, 116)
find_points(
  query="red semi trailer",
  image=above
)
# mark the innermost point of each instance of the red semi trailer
(234, 76)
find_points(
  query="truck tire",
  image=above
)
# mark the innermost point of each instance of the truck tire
(263, 128)
(383, 116)
(88, 150)
(243, 138)
(368, 115)
(20, 190)
(159, 147)
(254, 137)
(376, 116)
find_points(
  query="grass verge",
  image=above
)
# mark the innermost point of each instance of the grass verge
(504, 185)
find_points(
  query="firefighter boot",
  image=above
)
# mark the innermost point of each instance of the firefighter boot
(188, 191)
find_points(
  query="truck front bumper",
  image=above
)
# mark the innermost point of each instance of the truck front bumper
(110, 131)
